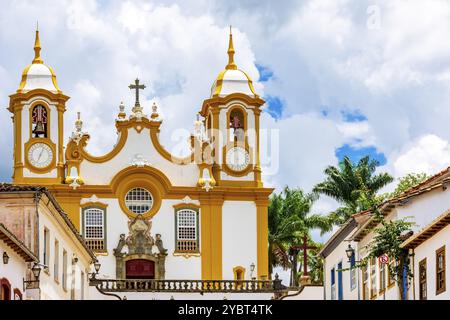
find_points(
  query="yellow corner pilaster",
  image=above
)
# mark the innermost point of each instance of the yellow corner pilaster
(262, 234)
(211, 238)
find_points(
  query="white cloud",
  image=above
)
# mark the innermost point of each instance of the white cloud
(429, 154)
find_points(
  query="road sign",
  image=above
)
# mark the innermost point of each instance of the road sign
(384, 259)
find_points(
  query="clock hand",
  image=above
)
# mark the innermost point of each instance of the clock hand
(40, 154)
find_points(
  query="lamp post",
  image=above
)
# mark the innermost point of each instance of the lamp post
(33, 284)
(5, 258)
(252, 269)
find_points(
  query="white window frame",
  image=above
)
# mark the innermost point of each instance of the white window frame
(134, 193)
(92, 210)
(333, 285)
(193, 215)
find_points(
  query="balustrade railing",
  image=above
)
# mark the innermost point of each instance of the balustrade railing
(200, 286)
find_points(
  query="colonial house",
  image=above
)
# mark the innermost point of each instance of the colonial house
(427, 206)
(44, 257)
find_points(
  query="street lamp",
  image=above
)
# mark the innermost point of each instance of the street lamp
(5, 258)
(33, 284)
(350, 252)
(97, 266)
(252, 268)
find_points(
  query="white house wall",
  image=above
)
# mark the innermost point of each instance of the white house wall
(428, 250)
(52, 289)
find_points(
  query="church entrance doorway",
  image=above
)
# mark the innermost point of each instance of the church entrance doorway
(140, 269)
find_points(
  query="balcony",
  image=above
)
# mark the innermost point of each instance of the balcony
(188, 286)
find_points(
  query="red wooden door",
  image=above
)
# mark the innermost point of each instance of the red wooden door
(140, 269)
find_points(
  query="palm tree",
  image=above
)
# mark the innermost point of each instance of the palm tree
(353, 185)
(289, 221)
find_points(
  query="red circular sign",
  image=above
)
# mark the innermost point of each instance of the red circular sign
(384, 259)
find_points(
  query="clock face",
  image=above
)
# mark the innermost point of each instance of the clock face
(40, 155)
(238, 158)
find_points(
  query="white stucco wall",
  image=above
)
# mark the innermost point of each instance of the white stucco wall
(14, 271)
(163, 223)
(239, 246)
(138, 143)
(428, 250)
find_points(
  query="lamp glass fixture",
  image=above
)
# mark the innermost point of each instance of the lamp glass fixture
(36, 271)
(5, 258)
(350, 251)
(97, 266)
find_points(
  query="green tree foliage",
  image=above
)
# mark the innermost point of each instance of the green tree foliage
(289, 221)
(405, 183)
(353, 185)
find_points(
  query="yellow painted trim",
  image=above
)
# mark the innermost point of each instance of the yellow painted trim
(189, 205)
(94, 204)
(186, 255)
(139, 181)
(23, 82)
(146, 177)
(77, 151)
(262, 234)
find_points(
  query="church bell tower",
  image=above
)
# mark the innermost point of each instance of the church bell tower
(38, 108)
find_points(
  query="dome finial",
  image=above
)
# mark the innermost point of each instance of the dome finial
(231, 65)
(37, 47)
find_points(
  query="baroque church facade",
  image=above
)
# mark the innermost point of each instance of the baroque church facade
(145, 213)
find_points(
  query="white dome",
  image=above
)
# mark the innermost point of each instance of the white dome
(38, 76)
(232, 81)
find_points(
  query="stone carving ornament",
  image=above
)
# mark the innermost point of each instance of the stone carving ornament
(140, 245)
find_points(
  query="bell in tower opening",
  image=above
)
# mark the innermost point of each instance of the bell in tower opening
(237, 123)
(39, 118)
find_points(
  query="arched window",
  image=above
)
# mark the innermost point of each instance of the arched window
(237, 125)
(186, 230)
(39, 122)
(94, 228)
(139, 200)
(5, 289)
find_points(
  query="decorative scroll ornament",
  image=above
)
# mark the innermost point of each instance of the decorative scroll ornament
(139, 161)
(76, 141)
(140, 245)
(206, 180)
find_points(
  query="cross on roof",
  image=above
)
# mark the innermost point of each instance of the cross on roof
(137, 87)
(304, 247)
